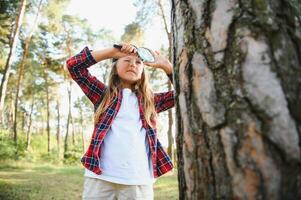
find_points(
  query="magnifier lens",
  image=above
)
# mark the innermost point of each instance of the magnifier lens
(145, 54)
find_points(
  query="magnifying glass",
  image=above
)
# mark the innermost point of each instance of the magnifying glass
(143, 53)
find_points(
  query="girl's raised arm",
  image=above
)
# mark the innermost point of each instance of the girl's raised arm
(163, 100)
(78, 68)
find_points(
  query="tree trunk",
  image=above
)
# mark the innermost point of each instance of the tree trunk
(13, 44)
(48, 116)
(170, 149)
(73, 129)
(24, 116)
(28, 135)
(82, 128)
(20, 75)
(58, 126)
(47, 107)
(22, 65)
(12, 119)
(237, 79)
(69, 52)
(68, 118)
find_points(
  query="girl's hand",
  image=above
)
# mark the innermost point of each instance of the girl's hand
(126, 49)
(160, 62)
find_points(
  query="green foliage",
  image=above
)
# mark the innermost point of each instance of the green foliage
(146, 11)
(134, 34)
(51, 157)
(8, 13)
(73, 155)
(9, 149)
(296, 5)
(37, 151)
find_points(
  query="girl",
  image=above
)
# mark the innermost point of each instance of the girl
(124, 156)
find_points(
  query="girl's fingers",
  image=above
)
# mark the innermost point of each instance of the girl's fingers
(132, 49)
(127, 48)
(124, 47)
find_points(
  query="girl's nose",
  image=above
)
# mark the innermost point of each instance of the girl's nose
(133, 63)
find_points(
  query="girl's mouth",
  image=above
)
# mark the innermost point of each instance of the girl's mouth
(132, 71)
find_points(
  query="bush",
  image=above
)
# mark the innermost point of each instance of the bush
(9, 150)
(51, 157)
(37, 151)
(73, 156)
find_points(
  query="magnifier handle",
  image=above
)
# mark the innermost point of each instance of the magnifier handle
(117, 46)
(120, 46)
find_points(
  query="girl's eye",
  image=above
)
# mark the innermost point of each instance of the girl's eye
(138, 62)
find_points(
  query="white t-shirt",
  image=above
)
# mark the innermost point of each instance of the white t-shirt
(125, 157)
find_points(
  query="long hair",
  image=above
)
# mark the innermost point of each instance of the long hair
(142, 86)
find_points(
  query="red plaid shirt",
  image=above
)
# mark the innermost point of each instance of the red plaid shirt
(94, 90)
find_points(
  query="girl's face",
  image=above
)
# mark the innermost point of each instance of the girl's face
(129, 69)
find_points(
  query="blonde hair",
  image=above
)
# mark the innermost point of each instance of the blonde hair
(142, 86)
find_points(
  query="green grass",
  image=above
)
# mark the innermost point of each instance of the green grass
(27, 181)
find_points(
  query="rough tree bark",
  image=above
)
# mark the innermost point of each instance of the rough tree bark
(238, 84)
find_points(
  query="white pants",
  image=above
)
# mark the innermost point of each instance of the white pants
(100, 189)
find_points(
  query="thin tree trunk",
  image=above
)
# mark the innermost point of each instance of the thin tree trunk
(48, 114)
(170, 149)
(12, 119)
(43, 122)
(58, 126)
(237, 79)
(47, 107)
(82, 129)
(73, 129)
(7, 68)
(68, 119)
(23, 121)
(28, 135)
(68, 49)
(165, 23)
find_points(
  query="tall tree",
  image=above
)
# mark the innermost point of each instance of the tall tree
(22, 65)
(50, 54)
(12, 45)
(74, 33)
(29, 123)
(166, 24)
(237, 76)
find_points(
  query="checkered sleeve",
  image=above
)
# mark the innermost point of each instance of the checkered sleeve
(164, 100)
(163, 162)
(78, 69)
